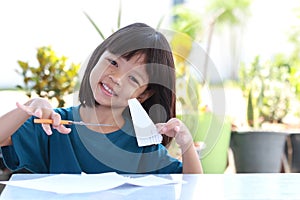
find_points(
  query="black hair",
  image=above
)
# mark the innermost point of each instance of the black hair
(140, 39)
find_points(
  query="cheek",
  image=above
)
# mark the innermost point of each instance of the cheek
(93, 79)
(137, 92)
(96, 74)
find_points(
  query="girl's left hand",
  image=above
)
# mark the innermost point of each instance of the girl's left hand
(177, 129)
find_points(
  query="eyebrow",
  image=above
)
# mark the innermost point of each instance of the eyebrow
(139, 61)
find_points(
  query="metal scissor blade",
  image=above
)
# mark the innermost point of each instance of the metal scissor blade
(88, 124)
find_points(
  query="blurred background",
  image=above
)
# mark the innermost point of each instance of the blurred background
(230, 33)
(260, 27)
(245, 54)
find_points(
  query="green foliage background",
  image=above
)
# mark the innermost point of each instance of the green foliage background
(52, 78)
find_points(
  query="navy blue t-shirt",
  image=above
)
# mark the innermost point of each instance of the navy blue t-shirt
(84, 150)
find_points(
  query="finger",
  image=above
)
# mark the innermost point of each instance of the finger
(174, 122)
(38, 113)
(170, 125)
(24, 108)
(176, 129)
(47, 129)
(159, 126)
(169, 133)
(63, 129)
(56, 123)
(56, 119)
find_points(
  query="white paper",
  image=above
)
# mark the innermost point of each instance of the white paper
(145, 130)
(73, 183)
(150, 180)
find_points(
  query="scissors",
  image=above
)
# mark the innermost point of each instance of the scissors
(67, 122)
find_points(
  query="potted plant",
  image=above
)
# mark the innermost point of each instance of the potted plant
(211, 132)
(293, 142)
(259, 146)
(53, 78)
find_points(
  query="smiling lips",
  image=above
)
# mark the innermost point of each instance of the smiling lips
(108, 90)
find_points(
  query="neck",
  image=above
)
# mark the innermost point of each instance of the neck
(103, 115)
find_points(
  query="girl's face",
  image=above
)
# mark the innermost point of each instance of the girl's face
(114, 80)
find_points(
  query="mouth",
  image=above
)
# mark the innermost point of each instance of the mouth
(107, 90)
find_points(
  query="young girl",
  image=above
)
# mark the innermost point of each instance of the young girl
(134, 62)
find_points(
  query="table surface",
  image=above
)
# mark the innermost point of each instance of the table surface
(197, 186)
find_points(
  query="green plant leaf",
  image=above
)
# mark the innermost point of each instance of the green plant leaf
(95, 26)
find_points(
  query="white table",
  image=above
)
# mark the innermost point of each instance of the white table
(202, 186)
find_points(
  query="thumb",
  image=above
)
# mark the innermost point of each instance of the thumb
(24, 108)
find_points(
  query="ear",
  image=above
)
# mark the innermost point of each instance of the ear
(145, 95)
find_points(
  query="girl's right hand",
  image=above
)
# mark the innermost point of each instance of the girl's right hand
(41, 108)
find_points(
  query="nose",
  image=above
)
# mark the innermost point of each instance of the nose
(115, 78)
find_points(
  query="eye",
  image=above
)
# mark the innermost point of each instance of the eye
(113, 62)
(134, 79)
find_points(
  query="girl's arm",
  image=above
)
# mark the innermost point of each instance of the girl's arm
(39, 107)
(9, 123)
(190, 159)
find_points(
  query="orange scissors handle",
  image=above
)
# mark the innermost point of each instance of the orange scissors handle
(50, 121)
